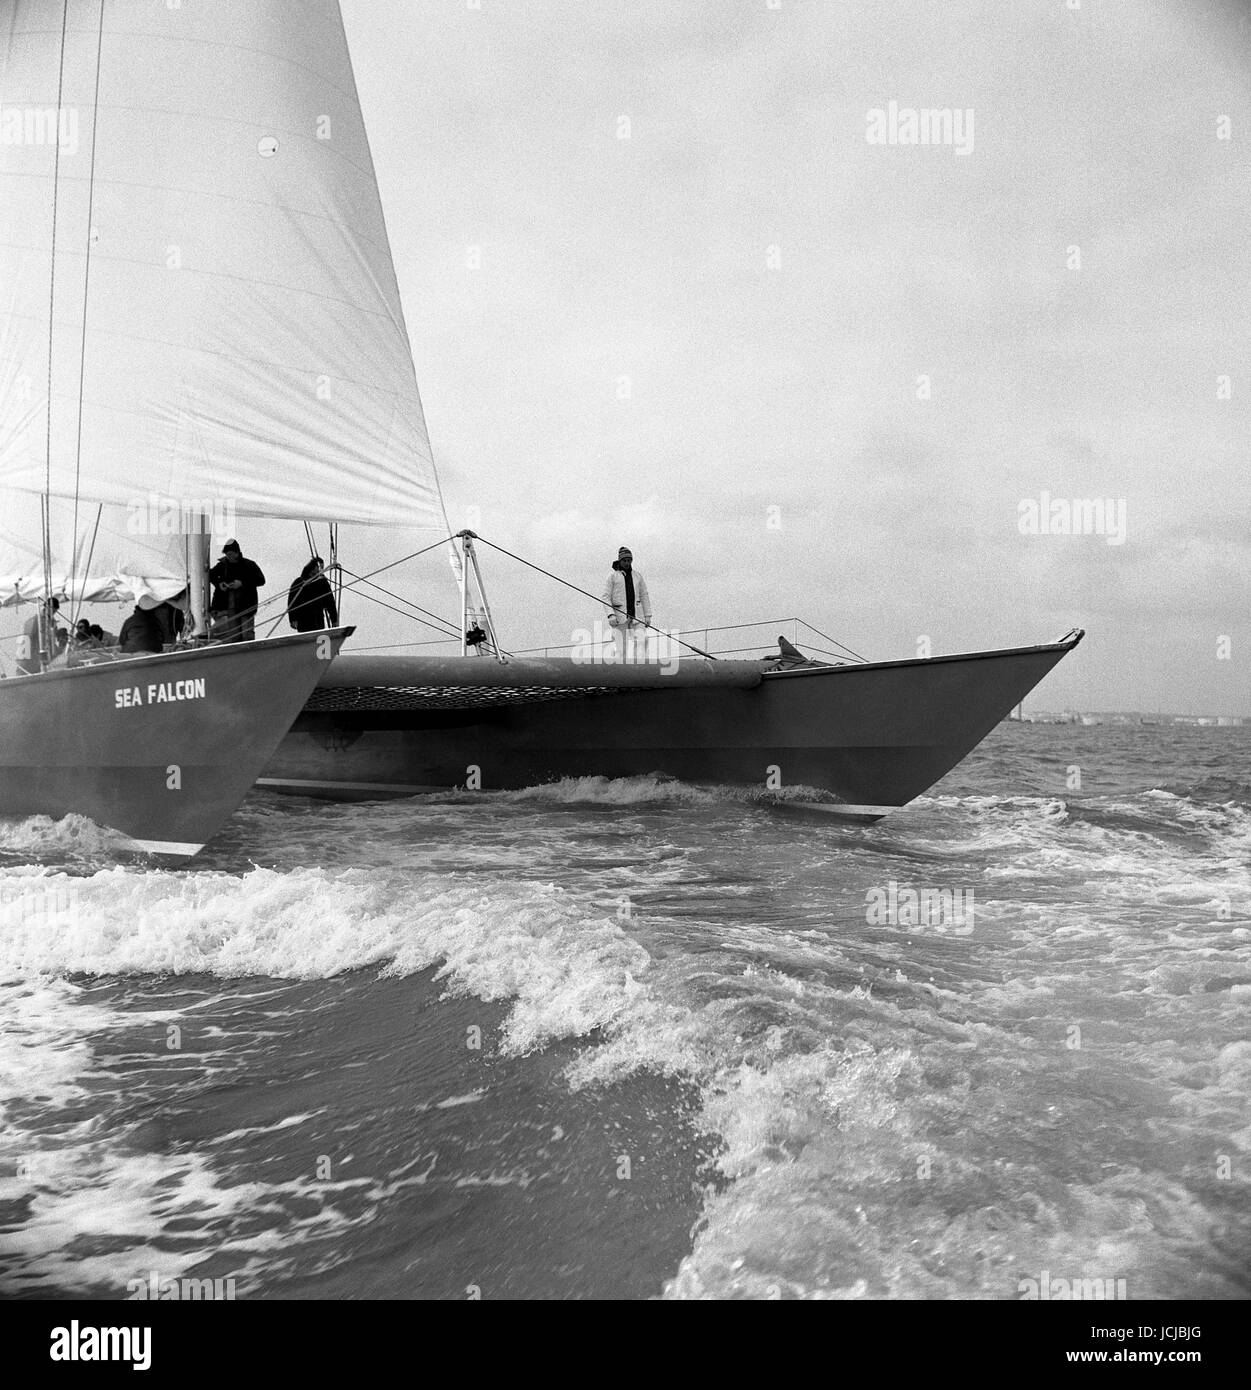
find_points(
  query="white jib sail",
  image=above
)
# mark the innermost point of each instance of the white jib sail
(101, 554)
(227, 333)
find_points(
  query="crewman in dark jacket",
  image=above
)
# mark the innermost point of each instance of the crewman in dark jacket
(310, 602)
(171, 619)
(141, 632)
(235, 584)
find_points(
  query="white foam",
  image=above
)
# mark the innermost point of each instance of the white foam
(72, 837)
(43, 1047)
(653, 788)
(567, 971)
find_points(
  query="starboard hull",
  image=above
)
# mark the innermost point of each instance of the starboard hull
(873, 736)
(161, 748)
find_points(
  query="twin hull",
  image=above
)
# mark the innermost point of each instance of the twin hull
(873, 735)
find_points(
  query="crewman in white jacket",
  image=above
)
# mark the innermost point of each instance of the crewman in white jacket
(629, 608)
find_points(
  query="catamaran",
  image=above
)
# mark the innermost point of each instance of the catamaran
(199, 323)
(864, 737)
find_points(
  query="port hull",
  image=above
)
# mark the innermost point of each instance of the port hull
(160, 748)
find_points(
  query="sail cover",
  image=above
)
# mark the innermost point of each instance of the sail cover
(226, 324)
(102, 554)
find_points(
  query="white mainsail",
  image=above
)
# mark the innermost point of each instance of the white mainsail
(227, 327)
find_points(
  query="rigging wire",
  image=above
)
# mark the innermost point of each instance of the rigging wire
(46, 503)
(450, 630)
(82, 353)
(430, 618)
(416, 555)
(403, 646)
(452, 636)
(825, 636)
(382, 569)
(364, 578)
(585, 594)
(95, 531)
(336, 572)
(779, 622)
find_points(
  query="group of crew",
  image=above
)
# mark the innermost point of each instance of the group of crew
(311, 606)
(236, 581)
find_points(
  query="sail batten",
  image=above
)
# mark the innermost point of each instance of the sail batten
(227, 320)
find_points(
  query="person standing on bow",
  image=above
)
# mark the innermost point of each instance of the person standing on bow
(235, 583)
(629, 608)
(310, 601)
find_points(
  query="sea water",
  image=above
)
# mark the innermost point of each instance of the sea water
(641, 1039)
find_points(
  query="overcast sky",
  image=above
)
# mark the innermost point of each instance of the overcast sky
(790, 379)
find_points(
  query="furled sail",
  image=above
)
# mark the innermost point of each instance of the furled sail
(101, 554)
(227, 330)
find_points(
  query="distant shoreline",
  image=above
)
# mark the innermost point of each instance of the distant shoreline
(1129, 717)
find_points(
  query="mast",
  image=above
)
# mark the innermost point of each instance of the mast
(486, 608)
(464, 592)
(198, 545)
(467, 557)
